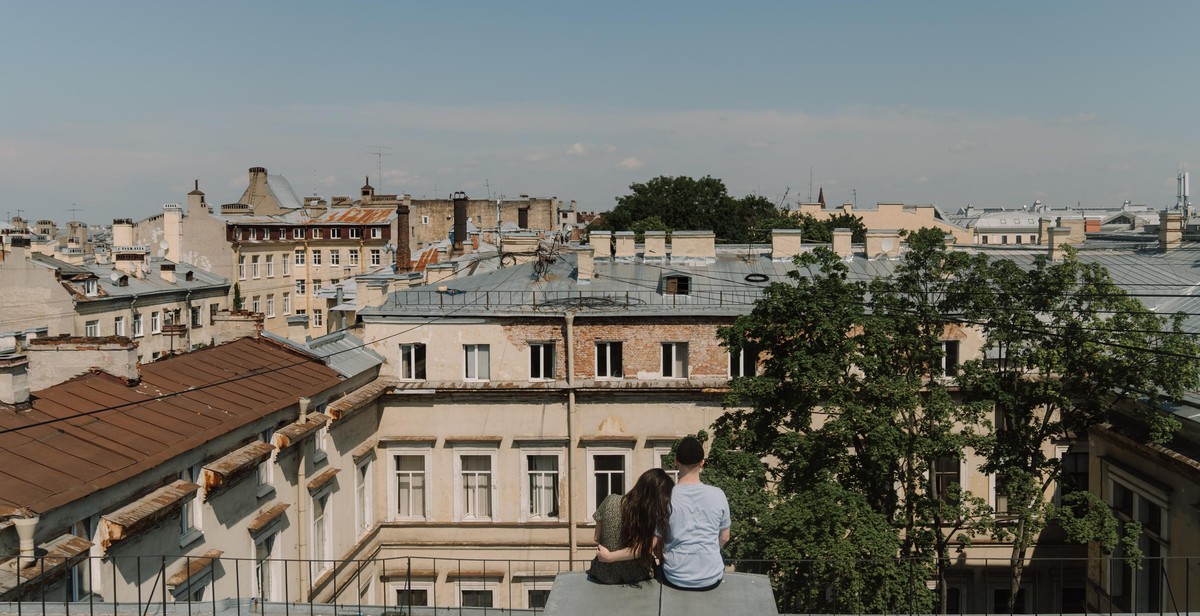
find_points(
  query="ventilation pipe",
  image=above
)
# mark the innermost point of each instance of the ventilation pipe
(25, 533)
(304, 402)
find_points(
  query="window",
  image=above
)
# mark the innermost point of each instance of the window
(212, 312)
(297, 233)
(318, 319)
(256, 303)
(475, 492)
(424, 220)
(335, 234)
(950, 358)
(266, 569)
(237, 233)
(189, 515)
(947, 471)
(675, 360)
(409, 471)
(1033, 239)
(1074, 475)
(608, 360)
(266, 233)
(253, 233)
(155, 323)
(677, 285)
(316, 286)
(412, 361)
(743, 362)
(241, 268)
(335, 257)
(1018, 239)
(476, 597)
(362, 496)
(91, 329)
(999, 601)
(119, 326)
(1135, 500)
(254, 271)
(1003, 239)
(299, 258)
(477, 366)
(541, 486)
(416, 595)
(985, 239)
(301, 286)
(1000, 493)
(284, 263)
(607, 476)
(316, 233)
(196, 316)
(90, 288)
(316, 257)
(355, 233)
(270, 266)
(264, 474)
(270, 305)
(137, 325)
(376, 233)
(85, 575)
(287, 303)
(666, 462)
(535, 598)
(541, 360)
(353, 256)
(375, 256)
(321, 519)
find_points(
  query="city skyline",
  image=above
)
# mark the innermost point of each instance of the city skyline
(123, 106)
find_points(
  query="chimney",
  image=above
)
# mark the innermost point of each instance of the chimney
(14, 380)
(173, 231)
(18, 249)
(1170, 230)
(229, 326)
(195, 200)
(58, 359)
(460, 221)
(693, 245)
(785, 244)
(122, 232)
(883, 243)
(368, 191)
(26, 529)
(624, 245)
(1077, 228)
(1044, 226)
(403, 250)
(128, 259)
(297, 328)
(1058, 239)
(655, 247)
(601, 242)
(585, 264)
(522, 245)
(166, 271)
(841, 242)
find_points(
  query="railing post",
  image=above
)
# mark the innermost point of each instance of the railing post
(162, 574)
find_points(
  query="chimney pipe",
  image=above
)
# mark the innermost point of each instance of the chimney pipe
(25, 533)
(460, 220)
(403, 251)
(304, 402)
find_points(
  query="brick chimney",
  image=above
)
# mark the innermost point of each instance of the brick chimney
(460, 221)
(195, 200)
(61, 358)
(166, 271)
(173, 231)
(14, 380)
(1059, 238)
(1170, 230)
(403, 250)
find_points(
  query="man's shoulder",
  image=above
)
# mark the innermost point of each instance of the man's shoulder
(698, 490)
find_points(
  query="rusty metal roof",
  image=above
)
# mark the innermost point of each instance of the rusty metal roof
(359, 215)
(220, 389)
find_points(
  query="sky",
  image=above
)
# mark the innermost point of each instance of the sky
(115, 107)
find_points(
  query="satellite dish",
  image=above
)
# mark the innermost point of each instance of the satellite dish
(164, 245)
(115, 277)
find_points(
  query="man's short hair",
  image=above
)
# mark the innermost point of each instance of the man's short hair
(690, 452)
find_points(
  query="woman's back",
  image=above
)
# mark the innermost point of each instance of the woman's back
(608, 516)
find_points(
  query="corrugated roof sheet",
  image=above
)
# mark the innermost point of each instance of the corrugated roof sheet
(219, 389)
(342, 351)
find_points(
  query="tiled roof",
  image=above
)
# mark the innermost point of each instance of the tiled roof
(220, 389)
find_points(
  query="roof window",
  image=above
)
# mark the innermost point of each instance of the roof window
(677, 285)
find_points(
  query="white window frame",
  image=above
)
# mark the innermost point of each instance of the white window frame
(119, 326)
(606, 347)
(320, 444)
(316, 233)
(364, 518)
(355, 233)
(322, 551)
(287, 302)
(316, 258)
(264, 474)
(316, 286)
(297, 233)
(1142, 490)
(270, 266)
(376, 256)
(535, 583)
(661, 452)
(335, 258)
(592, 452)
(255, 270)
(376, 233)
(424, 220)
(335, 234)
(256, 303)
(274, 593)
(318, 317)
(460, 514)
(354, 255)
(675, 346)
(946, 344)
(471, 354)
(270, 305)
(475, 586)
(537, 352)
(558, 454)
(301, 287)
(191, 513)
(253, 233)
(739, 360)
(394, 587)
(423, 451)
(284, 265)
(300, 257)
(155, 322)
(241, 267)
(91, 328)
(136, 325)
(410, 349)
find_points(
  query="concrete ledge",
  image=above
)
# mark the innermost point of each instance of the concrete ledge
(740, 593)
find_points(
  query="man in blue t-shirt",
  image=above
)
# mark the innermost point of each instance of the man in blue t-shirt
(699, 525)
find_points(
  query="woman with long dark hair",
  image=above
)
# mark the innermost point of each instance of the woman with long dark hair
(630, 530)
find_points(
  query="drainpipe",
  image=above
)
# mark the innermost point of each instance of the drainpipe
(25, 531)
(301, 509)
(570, 320)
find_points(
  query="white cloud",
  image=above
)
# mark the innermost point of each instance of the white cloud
(535, 157)
(576, 149)
(631, 163)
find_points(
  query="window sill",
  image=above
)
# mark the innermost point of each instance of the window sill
(190, 537)
(265, 489)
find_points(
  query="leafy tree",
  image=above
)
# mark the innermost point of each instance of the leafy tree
(237, 297)
(1069, 347)
(684, 203)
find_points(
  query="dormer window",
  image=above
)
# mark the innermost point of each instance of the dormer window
(189, 276)
(123, 281)
(90, 288)
(677, 285)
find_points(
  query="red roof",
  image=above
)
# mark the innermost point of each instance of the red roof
(220, 389)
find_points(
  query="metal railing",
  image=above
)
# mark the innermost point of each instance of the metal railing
(417, 586)
(564, 300)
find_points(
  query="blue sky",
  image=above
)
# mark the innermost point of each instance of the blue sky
(118, 106)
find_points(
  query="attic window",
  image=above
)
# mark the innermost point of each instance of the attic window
(123, 281)
(677, 285)
(189, 276)
(89, 288)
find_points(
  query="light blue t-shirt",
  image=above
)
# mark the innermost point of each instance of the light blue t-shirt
(692, 554)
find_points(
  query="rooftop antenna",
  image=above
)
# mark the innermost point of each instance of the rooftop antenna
(74, 210)
(810, 184)
(489, 188)
(379, 154)
(854, 197)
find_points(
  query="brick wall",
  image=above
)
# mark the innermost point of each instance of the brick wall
(641, 345)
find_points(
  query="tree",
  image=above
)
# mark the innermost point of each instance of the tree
(237, 297)
(851, 405)
(1068, 347)
(684, 203)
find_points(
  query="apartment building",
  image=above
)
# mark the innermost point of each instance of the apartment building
(163, 306)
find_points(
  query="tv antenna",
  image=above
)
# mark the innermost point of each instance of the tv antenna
(810, 184)
(379, 154)
(74, 210)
